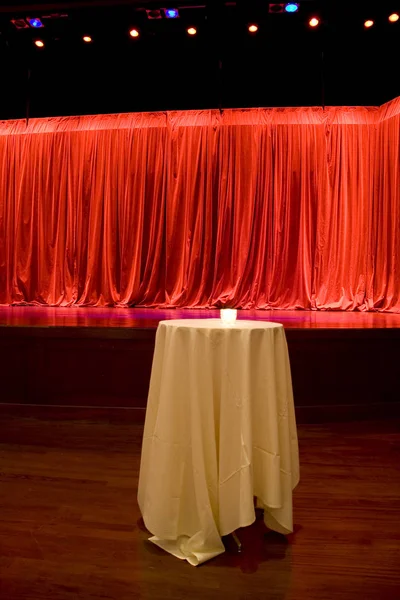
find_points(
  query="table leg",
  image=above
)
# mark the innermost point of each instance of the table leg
(237, 542)
(232, 543)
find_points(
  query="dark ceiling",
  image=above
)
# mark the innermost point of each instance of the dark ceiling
(284, 64)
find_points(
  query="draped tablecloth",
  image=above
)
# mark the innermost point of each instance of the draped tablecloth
(220, 430)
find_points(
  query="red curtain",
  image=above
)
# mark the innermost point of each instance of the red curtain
(259, 208)
(384, 274)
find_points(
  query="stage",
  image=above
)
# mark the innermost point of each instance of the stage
(96, 362)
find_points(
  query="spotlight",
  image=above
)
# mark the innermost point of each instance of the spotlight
(314, 22)
(134, 33)
(291, 7)
(20, 23)
(253, 28)
(277, 7)
(368, 24)
(154, 14)
(192, 31)
(171, 13)
(36, 23)
(87, 39)
(39, 43)
(394, 17)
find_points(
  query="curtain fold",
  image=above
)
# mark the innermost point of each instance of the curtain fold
(384, 290)
(290, 208)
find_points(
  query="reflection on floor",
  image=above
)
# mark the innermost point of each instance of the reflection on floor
(37, 316)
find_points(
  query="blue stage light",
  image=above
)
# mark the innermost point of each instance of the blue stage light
(292, 7)
(171, 13)
(36, 23)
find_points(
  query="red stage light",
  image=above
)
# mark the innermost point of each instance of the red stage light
(192, 31)
(276, 7)
(134, 33)
(314, 22)
(368, 24)
(20, 23)
(154, 13)
(253, 28)
(87, 39)
(394, 17)
(39, 43)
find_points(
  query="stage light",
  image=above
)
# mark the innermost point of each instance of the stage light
(39, 43)
(20, 23)
(154, 13)
(368, 24)
(36, 23)
(253, 28)
(192, 31)
(277, 7)
(87, 39)
(291, 7)
(314, 22)
(134, 33)
(171, 13)
(394, 17)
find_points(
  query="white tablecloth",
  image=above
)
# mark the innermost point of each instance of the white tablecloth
(220, 429)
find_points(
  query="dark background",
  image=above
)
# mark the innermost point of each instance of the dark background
(285, 64)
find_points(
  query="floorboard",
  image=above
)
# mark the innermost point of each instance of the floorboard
(70, 526)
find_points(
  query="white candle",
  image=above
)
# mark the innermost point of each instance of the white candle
(228, 315)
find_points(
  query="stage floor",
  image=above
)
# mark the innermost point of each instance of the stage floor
(92, 361)
(148, 318)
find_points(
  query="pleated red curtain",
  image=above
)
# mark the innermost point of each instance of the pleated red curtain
(384, 289)
(259, 208)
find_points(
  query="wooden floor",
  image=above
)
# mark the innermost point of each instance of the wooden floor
(148, 318)
(70, 527)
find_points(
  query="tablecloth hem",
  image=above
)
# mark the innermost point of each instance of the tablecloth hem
(195, 558)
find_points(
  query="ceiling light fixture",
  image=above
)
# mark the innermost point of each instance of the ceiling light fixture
(171, 13)
(277, 7)
(35, 23)
(291, 7)
(20, 23)
(154, 14)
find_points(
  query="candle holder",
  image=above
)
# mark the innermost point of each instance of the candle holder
(228, 315)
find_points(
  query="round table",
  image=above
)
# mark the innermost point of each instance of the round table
(220, 430)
